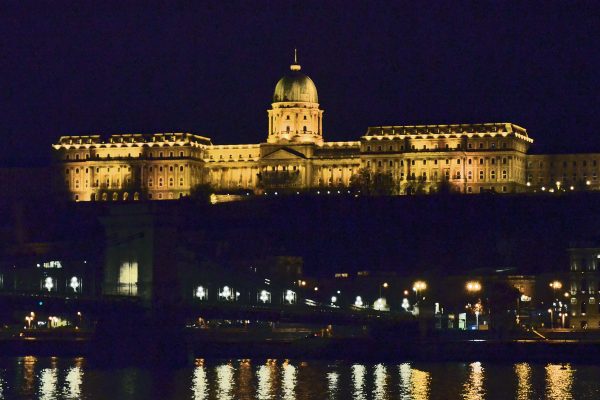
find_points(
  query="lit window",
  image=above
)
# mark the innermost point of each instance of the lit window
(128, 278)
(49, 284)
(201, 293)
(75, 284)
(289, 297)
(264, 296)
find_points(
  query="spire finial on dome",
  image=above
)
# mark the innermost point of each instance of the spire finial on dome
(295, 66)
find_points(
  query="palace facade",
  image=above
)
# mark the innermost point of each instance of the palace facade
(468, 158)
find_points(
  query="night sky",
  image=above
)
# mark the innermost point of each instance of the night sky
(211, 67)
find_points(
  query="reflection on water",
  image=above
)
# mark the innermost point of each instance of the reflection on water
(44, 378)
(245, 380)
(332, 384)
(358, 378)
(73, 382)
(199, 382)
(559, 379)
(473, 388)
(48, 382)
(524, 386)
(265, 381)
(225, 382)
(289, 380)
(28, 374)
(380, 378)
(414, 384)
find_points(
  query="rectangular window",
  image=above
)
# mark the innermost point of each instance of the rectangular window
(128, 278)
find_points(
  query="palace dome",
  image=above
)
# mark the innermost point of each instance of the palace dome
(295, 86)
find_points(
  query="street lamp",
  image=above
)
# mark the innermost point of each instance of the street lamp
(419, 286)
(473, 286)
(551, 318)
(555, 285)
(477, 312)
(383, 285)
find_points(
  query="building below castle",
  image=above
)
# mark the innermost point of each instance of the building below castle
(467, 158)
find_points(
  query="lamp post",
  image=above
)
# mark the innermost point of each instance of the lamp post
(474, 287)
(551, 318)
(555, 285)
(419, 286)
(384, 285)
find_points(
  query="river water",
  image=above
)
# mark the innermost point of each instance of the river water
(67, 378)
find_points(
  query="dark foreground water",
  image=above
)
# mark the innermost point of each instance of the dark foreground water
(61, 378)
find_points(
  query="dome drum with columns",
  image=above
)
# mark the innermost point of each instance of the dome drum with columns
(295, 116)
(471, 158)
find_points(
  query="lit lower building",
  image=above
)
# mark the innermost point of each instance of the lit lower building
(467, 158)
(584, 291)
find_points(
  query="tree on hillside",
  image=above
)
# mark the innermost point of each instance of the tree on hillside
(371, 183)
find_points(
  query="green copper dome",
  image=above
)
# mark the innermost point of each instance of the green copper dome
(295, 86)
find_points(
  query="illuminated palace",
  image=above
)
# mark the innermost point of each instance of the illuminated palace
(469, 158)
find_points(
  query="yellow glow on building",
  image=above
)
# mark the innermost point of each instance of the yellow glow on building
(466, 158)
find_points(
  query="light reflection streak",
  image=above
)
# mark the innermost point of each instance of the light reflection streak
(420, 384)
(245, 380)
(199, 382)
(332, 384)
(380, 377)
(358, 378)
(29, 373)
(73, 382)
(48, 383)
(524, 389)
(264, 390)
(414, 384)
(473, 389)
(225, 381)
(289, 380)
(559, 379)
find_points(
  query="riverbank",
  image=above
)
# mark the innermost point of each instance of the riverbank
(349, 349)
